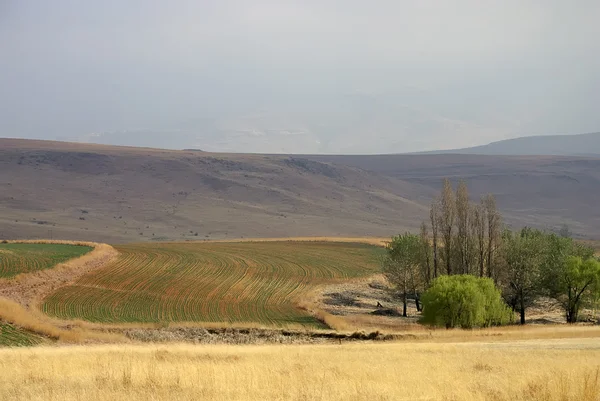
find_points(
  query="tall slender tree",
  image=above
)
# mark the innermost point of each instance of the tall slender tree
(446, 222)
(434, 219)
(493, 236)
(462, 228)
(425, 255)
(479, 231)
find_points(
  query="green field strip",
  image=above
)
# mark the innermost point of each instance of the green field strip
(210, 282)
(13, 336)
(20, 258)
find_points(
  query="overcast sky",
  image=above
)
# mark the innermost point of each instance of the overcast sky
(339, 76)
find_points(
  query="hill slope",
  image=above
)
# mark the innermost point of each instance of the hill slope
(565, 145)
(120, 194)
(540, 191)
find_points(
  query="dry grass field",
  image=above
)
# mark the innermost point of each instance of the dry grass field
(258, 282)
(541, 370)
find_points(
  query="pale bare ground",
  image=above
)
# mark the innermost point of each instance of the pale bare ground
(352, 305)
(546, 370)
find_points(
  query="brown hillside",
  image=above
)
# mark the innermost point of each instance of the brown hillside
(117, 194)
(541, 191)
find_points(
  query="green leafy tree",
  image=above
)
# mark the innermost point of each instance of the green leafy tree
(464, 301)
(401, 266)
(523, 256)
(570, 274)
(574, 284)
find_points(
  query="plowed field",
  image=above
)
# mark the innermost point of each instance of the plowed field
(211, 282)
(24, 258)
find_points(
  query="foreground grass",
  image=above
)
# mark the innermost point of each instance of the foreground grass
(243, 282)
(547, 370)
(17, 258)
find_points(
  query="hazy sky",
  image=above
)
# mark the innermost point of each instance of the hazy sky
(339, 76)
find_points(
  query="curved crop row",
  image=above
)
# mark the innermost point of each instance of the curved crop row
(17, 258)
(210, 282)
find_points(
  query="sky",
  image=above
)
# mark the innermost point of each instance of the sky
(329, 76)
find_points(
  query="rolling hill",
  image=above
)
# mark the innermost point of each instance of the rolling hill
(563, 145)
(540, 191)
(123, 194)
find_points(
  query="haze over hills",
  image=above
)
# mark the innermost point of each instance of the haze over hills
(260, 76)
(566, 145)
(121, 194)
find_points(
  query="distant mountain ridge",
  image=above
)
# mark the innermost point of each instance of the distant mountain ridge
(551, 145)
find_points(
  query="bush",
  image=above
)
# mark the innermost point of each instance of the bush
(464, 301)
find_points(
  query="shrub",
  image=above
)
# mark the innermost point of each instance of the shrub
(464, 301)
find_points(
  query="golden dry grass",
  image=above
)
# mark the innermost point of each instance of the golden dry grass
(16, 314)
(528, 370)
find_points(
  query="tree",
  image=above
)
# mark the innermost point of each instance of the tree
(523, 255)
(463, 241)
(479, 231)
(493, 235)
(464, 301)
(575, 283)
(446, 222)
(434, 218)
(401, 266)
(564, 231)
(425, 255)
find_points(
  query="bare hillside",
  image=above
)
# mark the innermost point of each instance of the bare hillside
(120, 194)
(541, 191)
(115, 194)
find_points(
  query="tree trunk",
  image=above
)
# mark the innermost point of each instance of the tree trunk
(404, 306)
(572, 307)
(572, 314)
(418, 302)
(522, 306)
